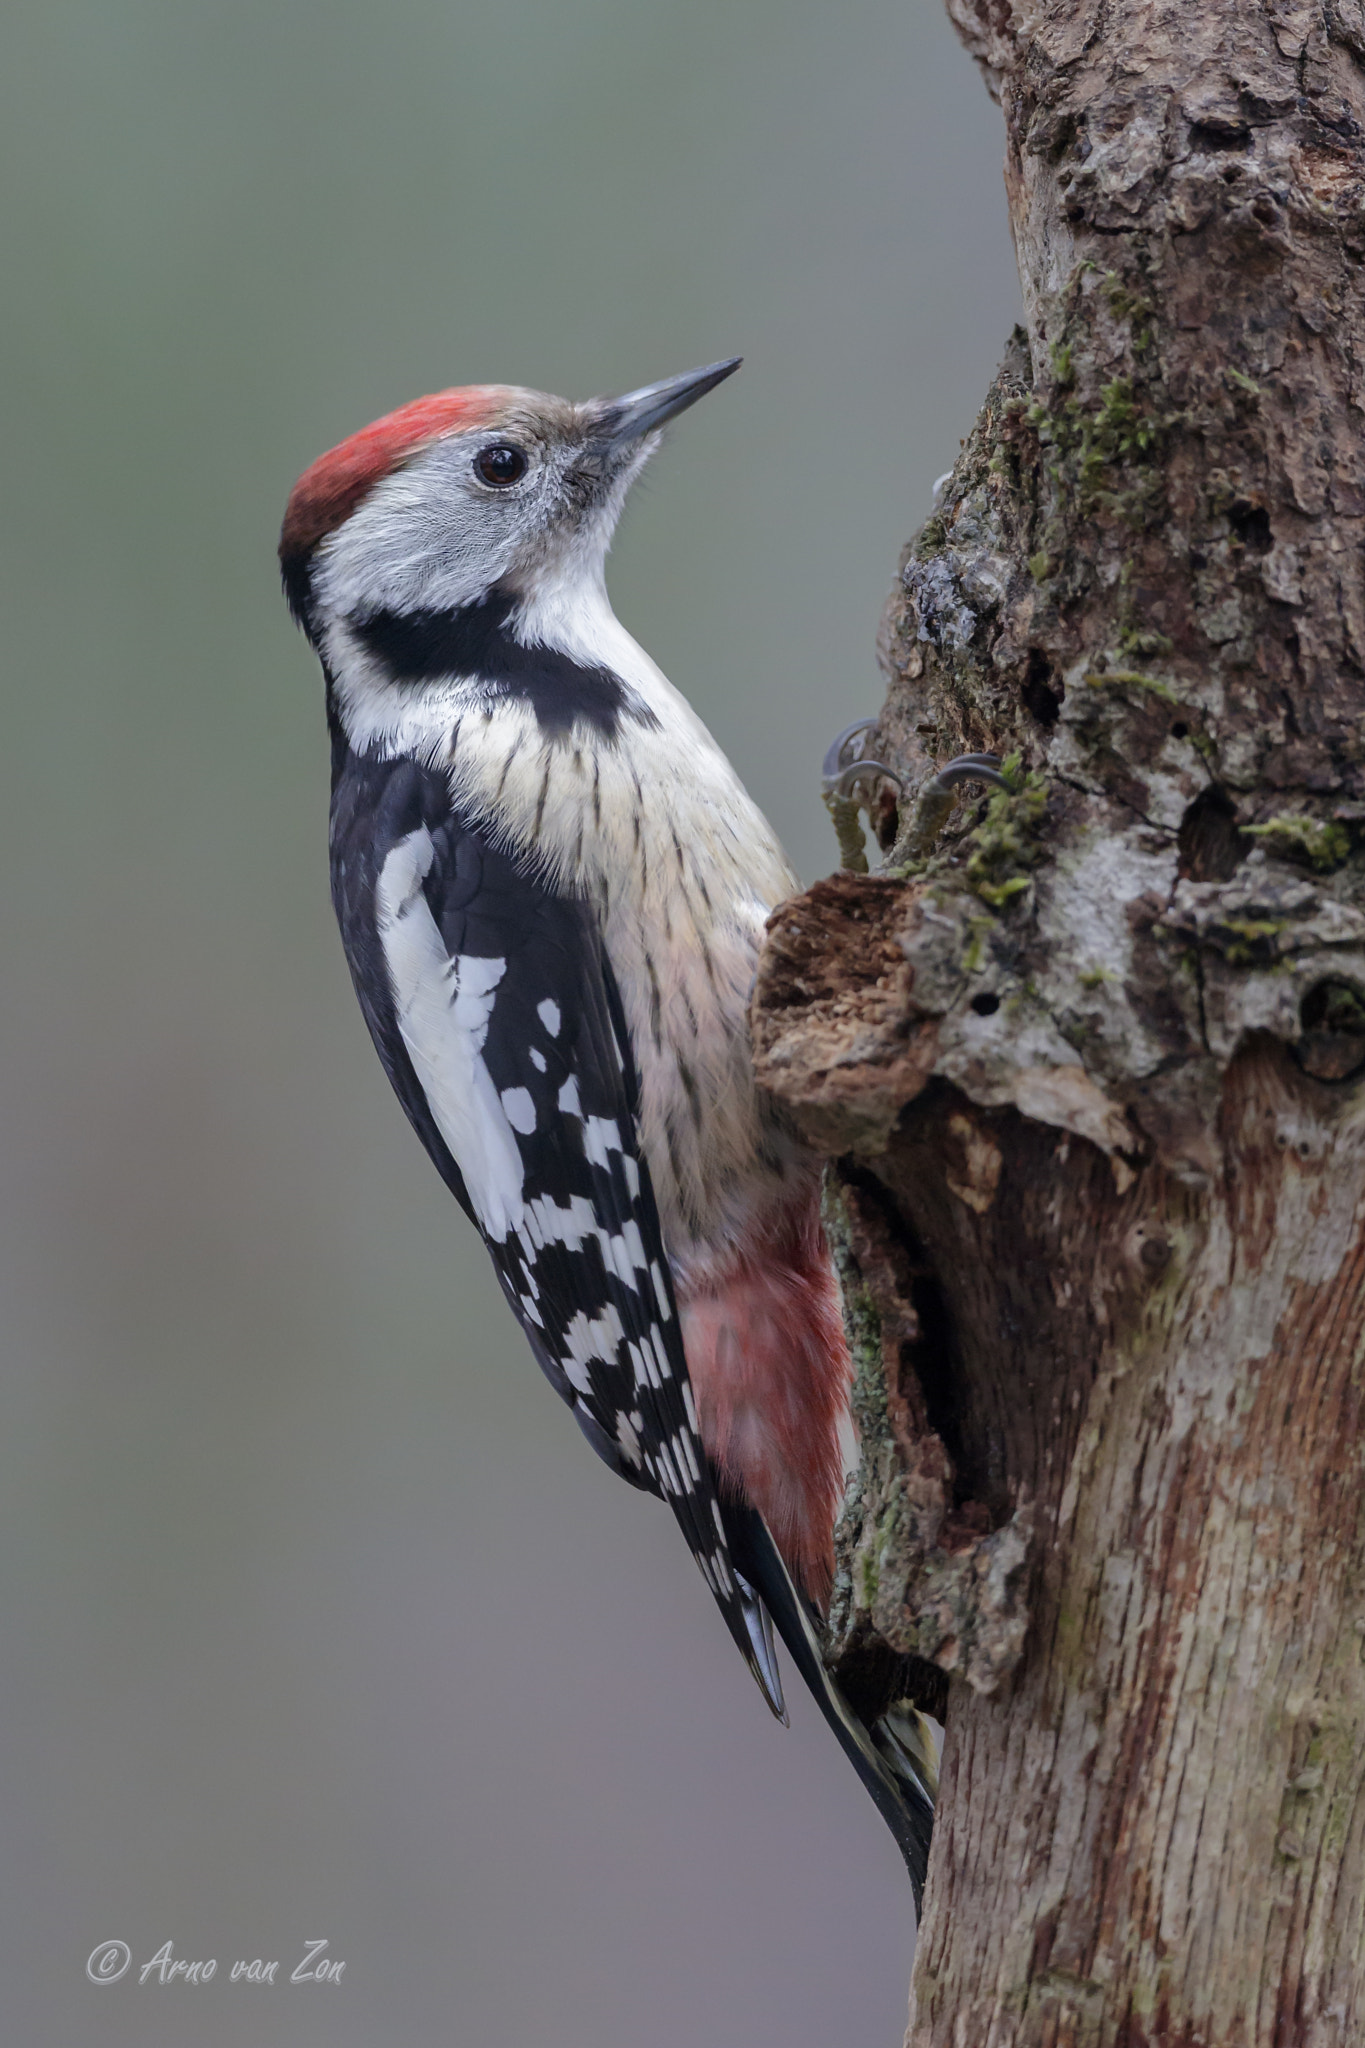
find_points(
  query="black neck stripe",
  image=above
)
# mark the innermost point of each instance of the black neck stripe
(476, 641)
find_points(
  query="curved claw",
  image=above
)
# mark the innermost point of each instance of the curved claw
(841, 750)
(848, 783)
(845, 765)
(969, 768)
(866, 772)
(935, 802)
(848, 780)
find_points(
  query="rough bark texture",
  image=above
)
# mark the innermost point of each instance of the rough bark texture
(1093, 1070)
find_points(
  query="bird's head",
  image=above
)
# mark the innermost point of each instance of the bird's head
(485, 486)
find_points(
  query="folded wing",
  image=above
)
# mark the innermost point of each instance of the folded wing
(493, 1007)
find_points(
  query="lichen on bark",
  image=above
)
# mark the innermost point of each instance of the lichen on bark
(1093, 1067)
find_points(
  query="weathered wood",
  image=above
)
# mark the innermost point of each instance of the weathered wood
(1093, 1069)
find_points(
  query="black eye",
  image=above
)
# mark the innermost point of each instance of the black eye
(501, 464)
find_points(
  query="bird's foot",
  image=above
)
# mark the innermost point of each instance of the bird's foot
(933, 805)
(850, 779)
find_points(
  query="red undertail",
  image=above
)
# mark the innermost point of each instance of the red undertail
(770, 1372)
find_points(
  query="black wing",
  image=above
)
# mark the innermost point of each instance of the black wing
(493, 1008)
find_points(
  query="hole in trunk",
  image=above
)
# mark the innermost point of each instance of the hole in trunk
(1211, 846)
(928, 1362)
(932, 1358)
(1220, 131)
(885, 816)
(1251, 524)
(872, 1677)
(1332, 1048)
(1041, 692)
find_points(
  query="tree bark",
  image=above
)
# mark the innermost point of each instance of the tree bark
(1093, 1068)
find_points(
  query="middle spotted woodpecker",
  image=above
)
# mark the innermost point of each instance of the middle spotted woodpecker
(552, 889)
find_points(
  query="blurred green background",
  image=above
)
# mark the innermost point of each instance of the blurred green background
(320, 1621)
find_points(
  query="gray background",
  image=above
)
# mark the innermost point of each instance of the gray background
(319, 1618)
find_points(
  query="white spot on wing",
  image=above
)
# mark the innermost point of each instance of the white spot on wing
(548, 1013)
(538, 1060)
(616, 1252)
(668, 1471)
(589, 1338)
(568, 1094)
(443, 1007)
(634, 1243)
(577, 1374)
(520, 1110)
(601, 1137)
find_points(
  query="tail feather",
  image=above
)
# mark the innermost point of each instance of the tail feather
(762, 1648)
(897, 1758)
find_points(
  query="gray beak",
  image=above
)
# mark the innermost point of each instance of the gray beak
(623, 421)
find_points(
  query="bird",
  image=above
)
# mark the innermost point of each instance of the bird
(552, 888)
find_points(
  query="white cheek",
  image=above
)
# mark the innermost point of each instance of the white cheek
(394, 555)
(430, 537)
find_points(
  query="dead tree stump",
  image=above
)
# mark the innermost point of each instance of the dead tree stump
(1093, 1071)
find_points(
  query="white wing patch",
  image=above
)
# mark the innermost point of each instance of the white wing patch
(601, 1137)
(443, 1007)
(520, 1110)
(601, 1134)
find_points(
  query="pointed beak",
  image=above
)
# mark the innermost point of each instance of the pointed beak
(621, 422)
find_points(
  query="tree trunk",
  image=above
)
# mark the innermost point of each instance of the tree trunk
(1092, 1067)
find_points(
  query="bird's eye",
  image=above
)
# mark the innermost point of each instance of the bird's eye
(501, 464)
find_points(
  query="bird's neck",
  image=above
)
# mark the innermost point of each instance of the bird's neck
(401, 677)
(559, 734)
